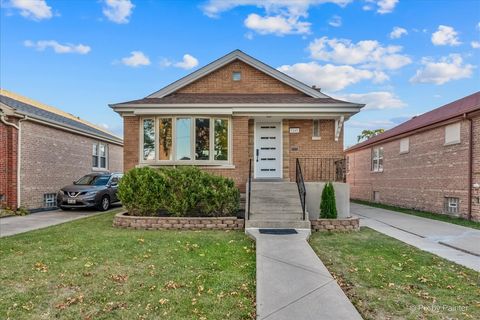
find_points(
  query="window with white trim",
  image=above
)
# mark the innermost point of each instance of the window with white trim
(49, 200)
(452, 133)
(316, 129)
(405, 145)
(184, 139)
(452, 205)
(99, 155)
(236, 76)
(377, 159)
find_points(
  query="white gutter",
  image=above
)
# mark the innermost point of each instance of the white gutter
(19, 150)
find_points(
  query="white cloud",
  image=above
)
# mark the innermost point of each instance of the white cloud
(375, 100)
(282, 16)
(398, 32)
(32, 9)
(475, 44)
(57, 47)
(118, 11)
(136, 59)
(335, 21)
(330, 77)
(446, 69)
(383, 6)
(188, 62)
(386, 6)
(369, 53)
(278, 24)
(445, 35)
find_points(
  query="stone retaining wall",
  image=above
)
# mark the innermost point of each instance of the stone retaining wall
(350, 224)
(176, 223)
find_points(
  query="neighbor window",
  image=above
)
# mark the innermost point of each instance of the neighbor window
(148, 139)
(186, 139)
(377, 159)
(376, 196)
(452, 133)
(451, 205)
(99, 155)
(347, 164)
(49, 200)
(236, 76)
(404, 145)
(316, 129)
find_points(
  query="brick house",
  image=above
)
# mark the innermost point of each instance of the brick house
(430, 163)
(43, 149)
(232, 110)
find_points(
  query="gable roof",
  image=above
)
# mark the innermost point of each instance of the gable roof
(232, 56)
(37, 110)
(449, 111)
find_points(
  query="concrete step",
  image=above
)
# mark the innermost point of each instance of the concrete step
(276, 215)
(272, 224)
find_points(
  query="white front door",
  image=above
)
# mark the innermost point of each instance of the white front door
(268, 150)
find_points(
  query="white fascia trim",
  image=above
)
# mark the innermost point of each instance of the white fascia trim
(237, 54)
(231, 105)
(161, 111)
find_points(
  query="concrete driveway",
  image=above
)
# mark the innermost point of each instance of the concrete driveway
(19, 224)
(450, 241)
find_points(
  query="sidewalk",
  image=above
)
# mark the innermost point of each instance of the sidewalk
(292, 282)
(450, 241)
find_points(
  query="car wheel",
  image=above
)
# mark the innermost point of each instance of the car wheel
(104, 203)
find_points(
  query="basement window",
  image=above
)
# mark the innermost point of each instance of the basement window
(452, 205)
(236, 76)
(49, 200)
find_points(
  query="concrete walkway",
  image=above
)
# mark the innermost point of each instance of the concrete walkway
(292, 282)
(19, 224)
(450, 241)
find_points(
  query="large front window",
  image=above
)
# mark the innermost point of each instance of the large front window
(183, 139)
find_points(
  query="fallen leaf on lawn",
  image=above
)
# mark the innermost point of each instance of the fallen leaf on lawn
(141, 240)
(163, 301)
(172, 285)
(119, 278)
(88, 264)
(69, 301)
(40, 266)
(391, 284)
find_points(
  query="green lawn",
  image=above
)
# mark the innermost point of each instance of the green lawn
(387, 279)
(424, 214)
(87, 269)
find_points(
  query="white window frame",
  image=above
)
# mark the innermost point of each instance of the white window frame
(377, 155)
(316, 136)
(49, 200)
(405, 142)
(452, 205)
(239, 73)
(210, 162)
(99, 167)
(452, 131)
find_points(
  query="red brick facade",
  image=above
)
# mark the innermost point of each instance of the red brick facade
(422, 178)
(8, 163)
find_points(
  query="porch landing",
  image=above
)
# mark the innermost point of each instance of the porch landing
(276, 205)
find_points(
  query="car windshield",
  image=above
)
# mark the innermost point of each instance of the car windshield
(93, 180)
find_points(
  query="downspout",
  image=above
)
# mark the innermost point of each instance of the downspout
(18, 127)
(470, 166)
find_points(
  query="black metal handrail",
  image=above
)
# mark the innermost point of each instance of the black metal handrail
(323, 169)
(249, 188)
(302, 192)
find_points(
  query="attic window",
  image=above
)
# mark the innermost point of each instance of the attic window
(236, 76)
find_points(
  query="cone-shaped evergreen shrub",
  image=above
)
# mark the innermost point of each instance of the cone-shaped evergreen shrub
(328, 208)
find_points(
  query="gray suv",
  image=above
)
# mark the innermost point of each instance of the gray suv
(97, 190)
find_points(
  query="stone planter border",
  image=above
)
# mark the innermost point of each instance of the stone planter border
(346, 224)
(121, 220)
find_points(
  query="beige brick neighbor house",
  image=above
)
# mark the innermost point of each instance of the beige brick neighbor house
(232, 110)
(43, 149)
(430, 163)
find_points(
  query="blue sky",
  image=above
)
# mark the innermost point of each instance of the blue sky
(400, 57)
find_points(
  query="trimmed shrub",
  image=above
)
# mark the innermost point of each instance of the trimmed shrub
(328, 208)
(182, 191)
(141, 190)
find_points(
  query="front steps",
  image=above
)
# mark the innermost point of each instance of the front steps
(276, 205)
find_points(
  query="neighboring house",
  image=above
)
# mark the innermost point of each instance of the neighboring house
(232, 110)
(431, 162)
(43, 149)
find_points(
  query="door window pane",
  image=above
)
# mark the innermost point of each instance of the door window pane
(148, 139)
(165, 139)
(202, 139)
(183, 143)
(221, 139)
